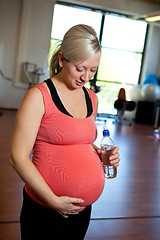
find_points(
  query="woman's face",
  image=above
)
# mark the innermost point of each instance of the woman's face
(77, 74)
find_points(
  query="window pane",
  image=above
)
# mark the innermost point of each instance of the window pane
(65, 17)
(119, 66)
(123, 33)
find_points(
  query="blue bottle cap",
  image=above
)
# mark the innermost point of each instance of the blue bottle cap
(106, 133)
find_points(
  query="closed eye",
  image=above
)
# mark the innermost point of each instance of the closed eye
(79, 70)
(94, 70)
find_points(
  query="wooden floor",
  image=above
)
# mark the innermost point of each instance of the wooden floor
(129, 208)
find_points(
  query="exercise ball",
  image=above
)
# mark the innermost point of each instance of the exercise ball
(135, 92)
(159, 79)
(150, 92)
(151, 79)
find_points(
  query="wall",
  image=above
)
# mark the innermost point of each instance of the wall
(24, 36)
(25, 27)
(34, 35)
(9, 27)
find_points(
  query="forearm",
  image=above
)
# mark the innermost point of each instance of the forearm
(30, 175)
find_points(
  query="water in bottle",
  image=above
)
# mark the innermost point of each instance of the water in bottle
(107, 146)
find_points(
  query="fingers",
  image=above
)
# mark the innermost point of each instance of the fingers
(72, 212)
(75, 211)
(76, 201)
(114, 160)
(114, 163)
(76, 207)
(115, 153)
(69, 206)
(115, 157)
(116, 149)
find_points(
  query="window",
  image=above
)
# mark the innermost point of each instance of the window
(64, 17)
(122, 42)
(122, 49)
(71, 16)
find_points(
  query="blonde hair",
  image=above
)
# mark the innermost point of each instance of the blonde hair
(79, 43)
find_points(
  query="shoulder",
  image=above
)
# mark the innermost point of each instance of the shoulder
(33, 94)
(38, 91)
(33, 100)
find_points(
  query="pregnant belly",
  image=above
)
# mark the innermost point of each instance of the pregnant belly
(74, 171)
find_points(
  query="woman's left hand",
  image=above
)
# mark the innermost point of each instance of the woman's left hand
(114, 158)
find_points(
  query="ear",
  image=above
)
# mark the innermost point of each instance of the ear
(61, 59)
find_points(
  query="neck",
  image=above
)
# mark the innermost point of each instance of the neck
(61, 84)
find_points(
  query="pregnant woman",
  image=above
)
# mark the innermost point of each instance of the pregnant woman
(56, 120)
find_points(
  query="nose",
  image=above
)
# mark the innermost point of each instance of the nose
(85, 76)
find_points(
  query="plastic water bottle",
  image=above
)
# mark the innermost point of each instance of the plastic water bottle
(107, 146)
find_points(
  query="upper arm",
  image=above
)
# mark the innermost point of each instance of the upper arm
(27, 123)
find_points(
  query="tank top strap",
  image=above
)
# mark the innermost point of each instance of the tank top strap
(93, 99)
(57, 101)
(48, 104)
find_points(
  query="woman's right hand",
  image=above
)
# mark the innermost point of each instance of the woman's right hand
(67, 206)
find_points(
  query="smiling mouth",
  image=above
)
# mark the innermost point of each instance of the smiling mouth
(80, 83)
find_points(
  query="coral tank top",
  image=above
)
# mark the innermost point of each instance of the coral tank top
(64, 156)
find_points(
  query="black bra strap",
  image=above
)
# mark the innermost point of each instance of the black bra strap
(56, 99)
(88, 101)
